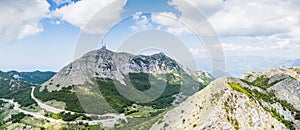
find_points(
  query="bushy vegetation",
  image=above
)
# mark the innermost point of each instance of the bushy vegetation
(166, 99)
(20, 90)
(2, 121)
(94, 127)
(23, 97)
(287, 105)
(36, 77)
(139, 123)
(54, 116)
(262, 82)
(64, 95)
(297, 117)
(238, 88)
(236, 124)
(17, 117)
(142, 112)
(275, 114)
(20, 94)
(136, 78)
(1, 103)
(112, 96)
(141, 82)
(66, 116)
(270, 98)
(70, 117)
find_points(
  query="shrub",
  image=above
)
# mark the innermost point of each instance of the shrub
(17, 117)
(297, 117)
(238, 88)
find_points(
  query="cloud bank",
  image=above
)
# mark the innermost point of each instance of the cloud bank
(80, 13)
(20, 18)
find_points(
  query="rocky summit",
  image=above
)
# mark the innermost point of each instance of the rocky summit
(104, 63)
(122, 81)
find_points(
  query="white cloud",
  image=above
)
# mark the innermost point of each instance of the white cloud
(165, 20)
(60, 2)
(237, 47)
(79, 14)
(257, 18)
(231, 48)
(273, 27)
(141, 22)
(208, 7)
(193, 17)
(242, 18)
(169, 21)
(21, 18)
(30, 29)
(283, 44)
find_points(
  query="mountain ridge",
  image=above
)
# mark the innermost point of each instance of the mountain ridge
(104, 63)
(217, 106)
(34, 77)
(261, 100)
(122, 80)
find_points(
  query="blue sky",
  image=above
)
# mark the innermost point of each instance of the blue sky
(42, 34)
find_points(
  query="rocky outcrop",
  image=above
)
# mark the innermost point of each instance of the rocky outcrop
(284, 82)
(261, 100)
(218, 106)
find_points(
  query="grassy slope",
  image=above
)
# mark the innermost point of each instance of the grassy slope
(20, 94)
(139, 80)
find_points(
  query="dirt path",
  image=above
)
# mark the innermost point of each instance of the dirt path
(44, 106)
(104, 122)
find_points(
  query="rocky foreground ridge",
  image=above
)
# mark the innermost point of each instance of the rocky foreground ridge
(264, 100)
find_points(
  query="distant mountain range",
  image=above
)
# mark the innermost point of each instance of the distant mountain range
(114, 90)
(236, 66)
(36, 77)
(17, 85)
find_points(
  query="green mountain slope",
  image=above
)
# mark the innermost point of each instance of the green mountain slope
(11, 88)
(36, 77)
(150, 84)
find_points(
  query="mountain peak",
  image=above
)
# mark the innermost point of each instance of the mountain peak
(103, 48)
(103, 63)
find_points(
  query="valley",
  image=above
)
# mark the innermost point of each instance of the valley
(149, 65)
(113, 98)
(59, 103)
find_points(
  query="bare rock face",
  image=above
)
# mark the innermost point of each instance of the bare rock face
(262, 100)
(289, 90)
(218, 106)
(104, 63)
(284, 82)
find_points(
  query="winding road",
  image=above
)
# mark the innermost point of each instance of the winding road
(45, 106)
(104, 122)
